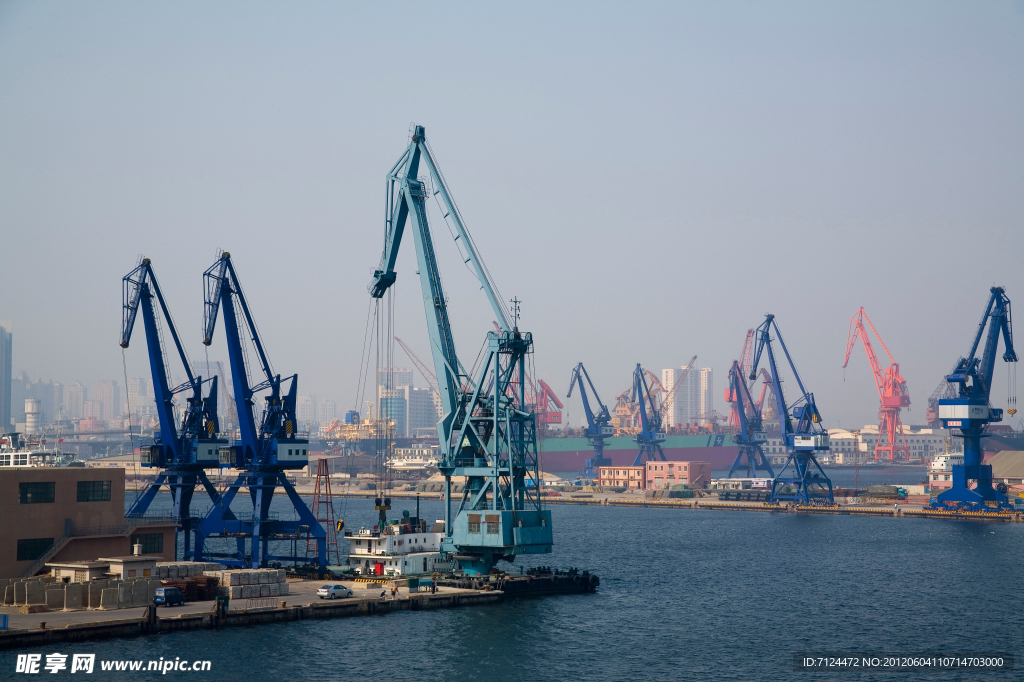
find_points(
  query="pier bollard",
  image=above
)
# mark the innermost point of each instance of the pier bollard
(284, 604)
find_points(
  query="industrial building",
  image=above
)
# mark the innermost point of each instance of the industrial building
(60, 514)
(661, 475)
(631, 477)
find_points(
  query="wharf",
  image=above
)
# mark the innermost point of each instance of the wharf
(897, 510)
(50, 628)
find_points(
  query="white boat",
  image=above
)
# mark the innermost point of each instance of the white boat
(406, 548)
(16, 452)
(941, 469)
(414, 459)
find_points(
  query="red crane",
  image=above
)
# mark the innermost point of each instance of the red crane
(744, 363)
(546, 405)
(892, 392)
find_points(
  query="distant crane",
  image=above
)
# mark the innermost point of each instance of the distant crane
(598, 428)
(943, 390)
(181, 454)
(751, 436)
(651, 435)
(546, 405)
(892, 392)
(744, 367)
(263, 453)
(800, 426)
(970, 411)
(420, 365)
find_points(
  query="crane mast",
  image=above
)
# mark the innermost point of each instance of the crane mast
(598, 428)
(750, 436)
(182, 453)
(970, 411)
(263, 454)
(651, 435)
(800, 426)
(487, 431)
(892, 392)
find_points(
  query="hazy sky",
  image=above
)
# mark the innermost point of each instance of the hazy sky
(649, 179)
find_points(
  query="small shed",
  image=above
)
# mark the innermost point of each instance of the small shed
(78, 571)
(131, 566)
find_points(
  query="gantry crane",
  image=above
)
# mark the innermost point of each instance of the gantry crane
(892, 392)
(263, 453)
(971, 410)
(182, 453)
(801, 429)
(598, 428)
(750, 436)
(487, 432)
(651, 435)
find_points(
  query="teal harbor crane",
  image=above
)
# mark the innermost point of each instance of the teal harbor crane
(487, 431)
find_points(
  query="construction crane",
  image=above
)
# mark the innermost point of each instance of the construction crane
(970, 411)
(750, 436)
(430, 377)
(744, 366)
(598, 428)
(651, 435)
(263, 453)
(182, 454)
(487, 432)
(801, 430)
(892, 392)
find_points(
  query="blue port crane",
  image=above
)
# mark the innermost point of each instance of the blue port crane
(801, 429)
(971, 410)
(487, 431)
(751, 435)
(651, 435)
(181, 453)
(598, 428)
(264, 453)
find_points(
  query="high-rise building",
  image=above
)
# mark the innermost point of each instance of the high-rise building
(48, 394)
(93, 409)
(328, 411)
(74, 401)
(422, 409)
(108, 393)
(393, 377)
(686, 399)
(394, 406)
(707, 395)
(6, 338)
(305, 409)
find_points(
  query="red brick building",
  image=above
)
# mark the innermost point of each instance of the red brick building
(623, 477)
(661, 475)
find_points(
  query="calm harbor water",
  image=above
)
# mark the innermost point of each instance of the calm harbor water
(684, 595)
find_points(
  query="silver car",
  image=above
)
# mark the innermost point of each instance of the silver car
(334, 592)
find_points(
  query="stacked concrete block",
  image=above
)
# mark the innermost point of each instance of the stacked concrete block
(265, 590)
(140, 593)
(282, 589)
(35, 592)
(264, 577)
(96, 588)
(275, 589)
(74, 596)
(108, 598)
(124, 594)
(55, 598)
(20, 593)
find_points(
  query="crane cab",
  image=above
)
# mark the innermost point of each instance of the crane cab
(964, 413)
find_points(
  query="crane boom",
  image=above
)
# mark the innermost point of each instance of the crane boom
(651, 435)
(750, 435)
(430, 377)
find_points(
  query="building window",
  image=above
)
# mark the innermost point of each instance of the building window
(36, 493)
(32, 549)
(94, 491)
(152, 543)
(492, 524)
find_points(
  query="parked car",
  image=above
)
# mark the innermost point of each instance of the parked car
(334, 592)
(168, 596)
